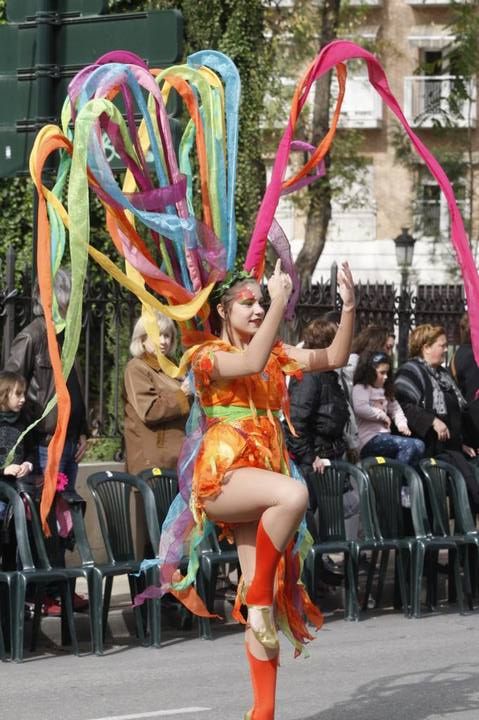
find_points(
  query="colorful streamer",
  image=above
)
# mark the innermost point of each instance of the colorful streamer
(182, 198)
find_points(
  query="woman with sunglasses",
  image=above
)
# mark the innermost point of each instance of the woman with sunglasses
(376, 409)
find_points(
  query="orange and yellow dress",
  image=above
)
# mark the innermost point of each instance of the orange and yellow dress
(238, 425)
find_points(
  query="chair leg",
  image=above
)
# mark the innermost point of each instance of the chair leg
(91, 611)
(382, 575)
(467, 555)
(352, 609)
(18, 616)
(402, 581)
(96, 605)
(154, 611)
(3, 615)
(204, 625)
(418, 567)
(369, 579)
(106, 603)
(457, 577)
(37, 615)
(67, 602)
(137, 611)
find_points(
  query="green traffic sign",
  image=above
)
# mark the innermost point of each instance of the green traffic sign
(157, 37)
(19, 10)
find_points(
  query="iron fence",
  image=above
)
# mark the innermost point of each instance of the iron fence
(110, 311)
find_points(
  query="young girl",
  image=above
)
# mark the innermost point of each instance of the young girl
(12, 399)
(375, 407)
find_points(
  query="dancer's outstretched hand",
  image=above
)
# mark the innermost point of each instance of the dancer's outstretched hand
(346, 286)
(280, 283)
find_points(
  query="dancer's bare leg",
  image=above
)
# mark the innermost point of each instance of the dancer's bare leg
(250, 494)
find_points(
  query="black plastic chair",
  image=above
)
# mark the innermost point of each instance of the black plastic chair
(38, 572)
(329, 489)
(387, 478)
(443, 482)
(427, 546)
(112, 493)
(213, 554)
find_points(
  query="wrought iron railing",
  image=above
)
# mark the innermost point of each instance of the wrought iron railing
(109, 313)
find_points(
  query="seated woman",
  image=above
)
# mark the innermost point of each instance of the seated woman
(319, 415)
(376, 408)
(465, 372)
(433, 403)
(156, 406)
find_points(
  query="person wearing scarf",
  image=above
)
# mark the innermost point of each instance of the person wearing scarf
(434, 405)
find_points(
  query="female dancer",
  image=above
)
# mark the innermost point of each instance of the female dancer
(241, 476)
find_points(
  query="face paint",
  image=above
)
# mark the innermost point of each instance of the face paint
(245, 295)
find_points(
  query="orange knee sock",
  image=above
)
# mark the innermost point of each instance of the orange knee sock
(260, 592)
(263, 679)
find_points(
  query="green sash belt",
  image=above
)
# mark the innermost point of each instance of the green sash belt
(233, 412)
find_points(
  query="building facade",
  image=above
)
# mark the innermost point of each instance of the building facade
(416, 45)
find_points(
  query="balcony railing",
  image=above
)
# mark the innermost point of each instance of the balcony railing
(428, 102)
(435, 2)
(362, 107)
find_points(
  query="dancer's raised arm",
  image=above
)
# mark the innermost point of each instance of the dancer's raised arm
(245, 325)
(337, 353)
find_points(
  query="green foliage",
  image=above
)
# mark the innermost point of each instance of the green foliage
(102, 449)
(16, 199)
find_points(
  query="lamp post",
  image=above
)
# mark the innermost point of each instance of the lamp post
(404, 244)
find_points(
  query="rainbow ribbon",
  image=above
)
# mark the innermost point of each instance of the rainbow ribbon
(184, 199)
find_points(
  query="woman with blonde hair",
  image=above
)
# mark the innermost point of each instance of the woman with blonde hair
(156, 405)
(433, 403)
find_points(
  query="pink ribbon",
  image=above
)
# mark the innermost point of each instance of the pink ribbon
(334, 53)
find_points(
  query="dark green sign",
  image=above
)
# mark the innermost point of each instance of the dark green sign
(19, 10)
(157, 37)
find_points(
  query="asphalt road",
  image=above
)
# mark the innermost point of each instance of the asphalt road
(385, 667)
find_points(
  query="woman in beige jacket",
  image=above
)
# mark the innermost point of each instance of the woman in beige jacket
(156, 406)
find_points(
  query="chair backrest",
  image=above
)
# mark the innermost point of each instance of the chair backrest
(10, 495)
(386, 478)
(437, 483)
(164, 484)
(112, 492)
(442, 478)
(329, 488)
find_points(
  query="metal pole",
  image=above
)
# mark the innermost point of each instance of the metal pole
(9, 325)
(44, 76)
(403, 317)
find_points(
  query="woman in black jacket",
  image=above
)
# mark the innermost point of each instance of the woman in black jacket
(434, 405)
(319, 414)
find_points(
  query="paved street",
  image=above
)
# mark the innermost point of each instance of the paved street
(383, 668)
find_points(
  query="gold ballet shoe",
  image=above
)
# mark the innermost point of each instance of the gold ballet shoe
(265, 631)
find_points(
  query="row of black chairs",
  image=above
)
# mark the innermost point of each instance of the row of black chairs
(379, 483)
(111, 492)
(416, 537)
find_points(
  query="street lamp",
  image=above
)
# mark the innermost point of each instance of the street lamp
(404, 244)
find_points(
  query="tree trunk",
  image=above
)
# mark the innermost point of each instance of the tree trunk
(319, 205)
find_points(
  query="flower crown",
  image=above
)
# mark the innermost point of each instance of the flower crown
(232, 277)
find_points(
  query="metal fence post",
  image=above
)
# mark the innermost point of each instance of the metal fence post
(9, 323)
